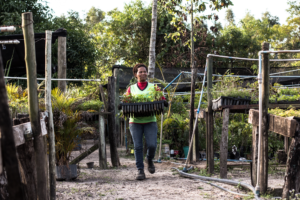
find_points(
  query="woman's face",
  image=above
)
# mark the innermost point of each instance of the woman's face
(142, 74)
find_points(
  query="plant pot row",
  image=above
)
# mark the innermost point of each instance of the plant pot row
(228, 101)
(142, 109)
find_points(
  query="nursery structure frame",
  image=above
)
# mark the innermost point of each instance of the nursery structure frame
(260, 138)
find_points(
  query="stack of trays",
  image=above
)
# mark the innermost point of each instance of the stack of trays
(228, 101)
(142, 109)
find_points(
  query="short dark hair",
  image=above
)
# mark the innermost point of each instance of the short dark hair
(135, 68)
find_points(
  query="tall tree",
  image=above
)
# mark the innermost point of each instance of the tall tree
(229, 16)
(94, 16)
(153, 40)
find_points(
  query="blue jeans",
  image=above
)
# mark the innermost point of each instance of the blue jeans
(150, 132)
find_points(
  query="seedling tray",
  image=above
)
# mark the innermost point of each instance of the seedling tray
(142, 109)
(228, 101)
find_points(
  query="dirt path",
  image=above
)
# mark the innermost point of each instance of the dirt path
(121, 184)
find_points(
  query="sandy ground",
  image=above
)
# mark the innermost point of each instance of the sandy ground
(120, 183)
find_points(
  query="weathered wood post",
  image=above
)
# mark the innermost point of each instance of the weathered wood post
(62, 62)
(286, 145)
(254, 155)
(292, 174)
(103, 98)
(224, 144)
(192, 108)
(210, 121)
(117, 102)
(196, 155)
(263, 166)
(33, 104)
(111, 123)
(48, 75)
(9, 152)
(102, 145)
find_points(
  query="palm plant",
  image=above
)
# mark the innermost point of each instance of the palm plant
(67, 125)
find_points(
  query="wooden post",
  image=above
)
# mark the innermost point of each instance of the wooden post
(292, 174)
(33, 105)
(103, 98)
(196, 155)
(62, 62)
(102, 147)
(286, 145)
(224, 144)
(111, 123)
(9, 152)
(254, 155)
(117, 102)
(48, 75)
(210, 121)
(122, 131)
(192, 108)
(263, 166)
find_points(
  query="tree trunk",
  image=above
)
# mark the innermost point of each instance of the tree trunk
(151, 67)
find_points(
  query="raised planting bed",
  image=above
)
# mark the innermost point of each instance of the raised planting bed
(228, 101)
(142, 109)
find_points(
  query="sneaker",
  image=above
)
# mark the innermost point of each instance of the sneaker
(151, 167)
(140, 175)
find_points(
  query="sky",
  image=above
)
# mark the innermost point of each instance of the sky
(255, 7)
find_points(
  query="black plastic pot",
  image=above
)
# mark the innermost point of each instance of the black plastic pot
(142, 109)
(228, 101)
(64, 172)
(90, 165)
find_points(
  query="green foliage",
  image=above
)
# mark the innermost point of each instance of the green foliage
(11, 14)
(153, 95)
(91, 105)
(67, 125)
(239, 132)
(81, 51)
(230, 87)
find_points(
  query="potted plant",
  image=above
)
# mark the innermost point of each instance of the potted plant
(67, 127)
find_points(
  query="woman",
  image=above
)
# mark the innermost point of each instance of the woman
(143, 125)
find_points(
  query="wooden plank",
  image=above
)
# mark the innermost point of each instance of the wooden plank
(224, 144)
(102, 147)
(23, 131)
(285, 126)
(85, 154)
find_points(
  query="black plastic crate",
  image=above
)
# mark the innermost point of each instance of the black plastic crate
(142, 109)
(228, 101)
